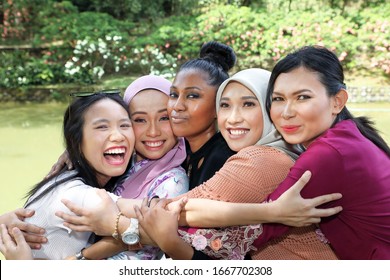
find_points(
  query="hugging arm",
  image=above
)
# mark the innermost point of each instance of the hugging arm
(161, 226)
(32, 233)
(14, 249)
(100, 219)
(289, 209)
(62, 161)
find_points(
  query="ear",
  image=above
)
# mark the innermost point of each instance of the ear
(340, 99)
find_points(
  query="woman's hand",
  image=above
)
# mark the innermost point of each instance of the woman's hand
(100, 219)
(161, 224)
(17, 249)
(61, 162)
(32, 233)
(293, 210)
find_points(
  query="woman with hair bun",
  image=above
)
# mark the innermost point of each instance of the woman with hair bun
(192, 110)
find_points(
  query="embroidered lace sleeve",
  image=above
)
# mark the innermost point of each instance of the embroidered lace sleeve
(231, 243)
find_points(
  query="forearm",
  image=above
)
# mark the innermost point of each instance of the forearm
(104, 248)
(126, 206)
(213, 213)
(176, 248)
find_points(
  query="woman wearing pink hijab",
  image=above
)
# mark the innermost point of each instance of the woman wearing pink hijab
(158, 152)
(156, 164)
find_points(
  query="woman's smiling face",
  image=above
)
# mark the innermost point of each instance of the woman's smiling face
(153, 133)
(301, 109)
(108, 139)
(240, 117)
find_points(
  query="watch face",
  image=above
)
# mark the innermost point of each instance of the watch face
(130, 238)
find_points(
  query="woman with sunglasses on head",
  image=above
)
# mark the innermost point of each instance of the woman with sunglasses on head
(99, 139)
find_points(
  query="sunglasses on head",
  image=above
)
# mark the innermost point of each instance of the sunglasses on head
(89, 93)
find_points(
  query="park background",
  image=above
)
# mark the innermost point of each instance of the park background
(50, 48)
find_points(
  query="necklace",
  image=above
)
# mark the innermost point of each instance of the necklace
(189, 170)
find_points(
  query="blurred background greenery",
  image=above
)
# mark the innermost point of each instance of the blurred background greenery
(46, 42)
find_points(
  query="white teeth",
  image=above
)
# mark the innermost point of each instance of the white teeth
(115, 151)
(154, 144)
(238, 132)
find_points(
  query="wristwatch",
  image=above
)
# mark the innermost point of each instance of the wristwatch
(80, 256)
(131, 235)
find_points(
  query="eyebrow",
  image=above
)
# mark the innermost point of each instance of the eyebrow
(187, 88)
(244, 98)
(294, 93)
(107, 121)
(145, 113)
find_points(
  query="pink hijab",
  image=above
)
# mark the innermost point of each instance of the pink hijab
(137, 185)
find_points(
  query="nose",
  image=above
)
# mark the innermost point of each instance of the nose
(235, 116)
(179, 104)
(288, 111)
(116, 135)
(153, 129)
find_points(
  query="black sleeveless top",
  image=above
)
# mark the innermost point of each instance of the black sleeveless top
(202, 165)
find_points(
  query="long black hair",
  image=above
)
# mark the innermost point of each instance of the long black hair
(330, 72)
(73, 124)
(215, 59)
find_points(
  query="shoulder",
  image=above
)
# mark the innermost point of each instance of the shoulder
(259, 164)
(343, 134)
(170, 184)
(262, 154)
(338, 143)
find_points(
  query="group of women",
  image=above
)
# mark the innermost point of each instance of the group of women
(237, 144)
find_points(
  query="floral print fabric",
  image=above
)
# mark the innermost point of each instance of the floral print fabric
(231, 243)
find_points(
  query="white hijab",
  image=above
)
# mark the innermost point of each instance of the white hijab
(256, 80)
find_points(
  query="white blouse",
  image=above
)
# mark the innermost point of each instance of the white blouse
(62, 241)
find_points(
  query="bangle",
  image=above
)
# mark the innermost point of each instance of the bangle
(116, 232)
(80, 256)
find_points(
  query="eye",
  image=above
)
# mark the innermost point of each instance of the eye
(276, 98)
(223, 105)
(249, 104)
(164, 118)
(126, 124)
(102, 126)
(192, 95)
(173, 95)
(139, 120)
(303, 97)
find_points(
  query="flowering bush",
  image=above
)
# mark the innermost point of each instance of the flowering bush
(94, 45)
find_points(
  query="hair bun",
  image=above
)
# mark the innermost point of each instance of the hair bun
(219, 53)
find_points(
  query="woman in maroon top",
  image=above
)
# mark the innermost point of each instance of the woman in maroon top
(306, 101)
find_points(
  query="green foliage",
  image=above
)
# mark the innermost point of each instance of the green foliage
(82, 47)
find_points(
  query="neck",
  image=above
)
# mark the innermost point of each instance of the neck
(102, 181)
(197, 141)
